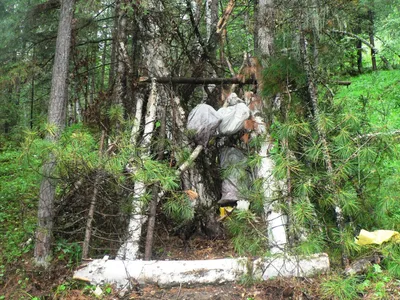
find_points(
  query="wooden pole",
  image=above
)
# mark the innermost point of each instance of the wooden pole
(200, 80)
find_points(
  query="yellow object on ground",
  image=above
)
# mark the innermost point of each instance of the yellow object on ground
(376, 237)
(223, 211)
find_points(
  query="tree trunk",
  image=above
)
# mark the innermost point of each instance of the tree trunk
(57, 118)
(211, 19)
(276, 221)
(371, 18)
(32, 96)
(88, 230)
(114, 45)
(359, 49)
(313, 96)
(120, 89)
(103, 65)
(265, 24)
(154, 51)
(130, 248)
(154, 201)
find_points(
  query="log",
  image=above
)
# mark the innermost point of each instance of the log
(340, 82)
(195, 272)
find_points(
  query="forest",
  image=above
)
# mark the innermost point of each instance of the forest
(152, 131)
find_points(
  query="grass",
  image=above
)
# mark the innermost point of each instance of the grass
(19, 185)
(380, 91)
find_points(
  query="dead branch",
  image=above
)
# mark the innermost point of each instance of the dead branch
(191, 158)
(378, 134)
(354, 36)
(225, 17)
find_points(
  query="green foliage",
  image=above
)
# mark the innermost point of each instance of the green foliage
(313, 243)
(375, 96)
(19, 186)
(154, 172)
(364, 168)
(339, 288)
(247, 233)
(283, 68)
(69, 252)
(179, 208)
(376, 283)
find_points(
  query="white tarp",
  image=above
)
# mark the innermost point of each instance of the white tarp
(203, 120)
(233, 118)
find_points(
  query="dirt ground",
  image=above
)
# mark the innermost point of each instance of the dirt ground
(269, 290)
(173, 248)
(57, 284)
(296, 289)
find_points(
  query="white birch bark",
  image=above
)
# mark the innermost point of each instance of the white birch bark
(195, 272)
(130, 248)
(154, 52)
(276, 221)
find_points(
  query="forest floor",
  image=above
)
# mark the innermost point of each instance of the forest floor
(21, 280)
(57, 283)
(24, 281)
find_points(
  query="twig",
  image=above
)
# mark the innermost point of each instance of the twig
(179, 292)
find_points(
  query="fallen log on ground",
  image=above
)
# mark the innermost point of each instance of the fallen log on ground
(194, 272)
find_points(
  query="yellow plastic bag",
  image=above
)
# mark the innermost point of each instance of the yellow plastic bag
(376, 237)
(225, 211)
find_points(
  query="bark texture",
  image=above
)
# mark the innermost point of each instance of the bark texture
(97, 181)
(56, 118)
(276, 221)
(265, 24)
(154, 53)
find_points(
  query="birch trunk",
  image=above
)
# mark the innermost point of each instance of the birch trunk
(130, 248)
(120, 91)
(154, 52)
(155, 191)
(276, 221)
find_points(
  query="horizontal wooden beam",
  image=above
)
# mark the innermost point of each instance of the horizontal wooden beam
(199, 80)
(191, 80)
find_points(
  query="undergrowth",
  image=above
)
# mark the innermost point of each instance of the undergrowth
(365, 173)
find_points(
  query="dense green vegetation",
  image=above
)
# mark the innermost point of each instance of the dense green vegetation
(380, 209)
